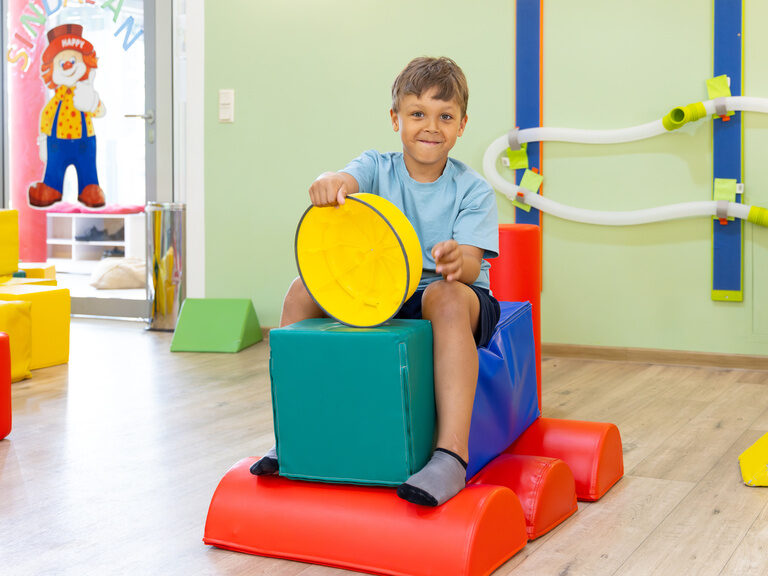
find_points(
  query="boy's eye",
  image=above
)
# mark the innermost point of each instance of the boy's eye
(446, 117)
(417, 114)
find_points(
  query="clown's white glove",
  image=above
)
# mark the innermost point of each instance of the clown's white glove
(85, 98)
(42, 147)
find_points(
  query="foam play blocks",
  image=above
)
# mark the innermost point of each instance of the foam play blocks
(544, 486)
(516, 274)
(506, 398)
(9, 242)
(353, 405)
(22, 280)
(547, 467)
(363, 528)
(50, 314)
(5, 385)
(754, 463)
(16, 322)
(216, 325)
(592, 450)
(39, 270)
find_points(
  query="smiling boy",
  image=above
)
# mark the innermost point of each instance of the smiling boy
(453, 211)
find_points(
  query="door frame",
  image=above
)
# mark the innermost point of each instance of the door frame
(192, 146)
(158, 71)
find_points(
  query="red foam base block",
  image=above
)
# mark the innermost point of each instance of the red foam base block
(365, 528)
(592, 450)
(5, 385)
(545, 487)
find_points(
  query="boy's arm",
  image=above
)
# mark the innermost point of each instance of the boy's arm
(331, 188)
(459, 262)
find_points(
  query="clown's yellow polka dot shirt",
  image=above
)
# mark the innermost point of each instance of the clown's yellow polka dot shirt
(69, 125)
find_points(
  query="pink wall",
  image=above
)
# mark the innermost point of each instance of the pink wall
(26, 98)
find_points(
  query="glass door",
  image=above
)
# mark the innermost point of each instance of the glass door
(82, 138)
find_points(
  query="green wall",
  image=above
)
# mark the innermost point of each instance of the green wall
(312, 86)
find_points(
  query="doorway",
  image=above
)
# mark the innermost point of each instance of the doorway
(55, 123)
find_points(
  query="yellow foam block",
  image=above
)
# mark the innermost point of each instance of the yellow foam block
(50, 322)
(38, 270)
(754, 463)
(34, 281)
(16, 321)
(9, 241)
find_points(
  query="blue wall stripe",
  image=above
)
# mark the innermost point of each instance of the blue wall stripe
(726, 149)
(527, 87)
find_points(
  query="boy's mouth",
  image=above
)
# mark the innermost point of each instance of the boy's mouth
(429, 142)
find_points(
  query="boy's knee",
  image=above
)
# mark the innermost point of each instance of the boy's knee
(298, 295)
(444, 298)
(298, 304)
(297, 287)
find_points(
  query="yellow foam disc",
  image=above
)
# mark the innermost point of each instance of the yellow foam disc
(360, 261)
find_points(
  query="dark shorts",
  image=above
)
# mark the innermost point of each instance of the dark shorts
(486, 324)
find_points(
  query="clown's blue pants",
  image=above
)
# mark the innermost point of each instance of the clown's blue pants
(79, 152)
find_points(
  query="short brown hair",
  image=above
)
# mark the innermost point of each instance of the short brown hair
(423, 73)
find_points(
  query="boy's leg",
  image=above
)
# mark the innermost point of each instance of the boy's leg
(297, 305)
(454, 310)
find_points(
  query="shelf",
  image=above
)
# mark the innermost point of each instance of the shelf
(123, 233)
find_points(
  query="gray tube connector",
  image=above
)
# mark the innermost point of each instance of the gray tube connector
(512, 139)
(720, 108)
(722, 209)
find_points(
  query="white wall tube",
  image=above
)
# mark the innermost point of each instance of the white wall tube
(633, 217)
(641, 132)
(604, 218)
(495, 179)
(741, 104)
(618, 136)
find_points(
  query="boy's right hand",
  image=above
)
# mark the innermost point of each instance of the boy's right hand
(332, 188)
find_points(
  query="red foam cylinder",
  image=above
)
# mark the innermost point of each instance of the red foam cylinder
(516, 275)
(545, 487)
(592, 450)
(5, 385)
(365, 528)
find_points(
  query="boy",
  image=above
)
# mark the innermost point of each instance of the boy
(454, 213)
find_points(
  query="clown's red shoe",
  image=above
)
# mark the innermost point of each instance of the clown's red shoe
(92, 196)
(42, 195)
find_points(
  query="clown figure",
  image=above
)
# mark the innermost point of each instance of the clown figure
(66, 123)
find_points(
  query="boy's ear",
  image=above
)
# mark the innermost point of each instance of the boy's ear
(395, 121)
(463, 124)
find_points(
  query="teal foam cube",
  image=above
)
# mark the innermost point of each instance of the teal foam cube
(353, 405)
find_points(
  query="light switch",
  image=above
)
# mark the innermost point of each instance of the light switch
(226, 105)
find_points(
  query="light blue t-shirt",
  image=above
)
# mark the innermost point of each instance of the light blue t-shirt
(459, 205)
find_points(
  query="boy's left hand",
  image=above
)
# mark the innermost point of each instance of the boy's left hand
(448, 259)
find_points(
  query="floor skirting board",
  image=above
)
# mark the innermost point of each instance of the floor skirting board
(655, 356)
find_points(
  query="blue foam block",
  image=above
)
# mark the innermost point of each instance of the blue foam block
(506, 401)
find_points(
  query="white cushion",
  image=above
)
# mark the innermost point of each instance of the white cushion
(119, 273)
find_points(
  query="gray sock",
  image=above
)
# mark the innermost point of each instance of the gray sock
(440, 480)
(267, 464)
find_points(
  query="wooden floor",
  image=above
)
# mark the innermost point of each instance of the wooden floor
(113, 460)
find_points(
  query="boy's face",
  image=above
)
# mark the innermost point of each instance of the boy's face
(429, 129)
